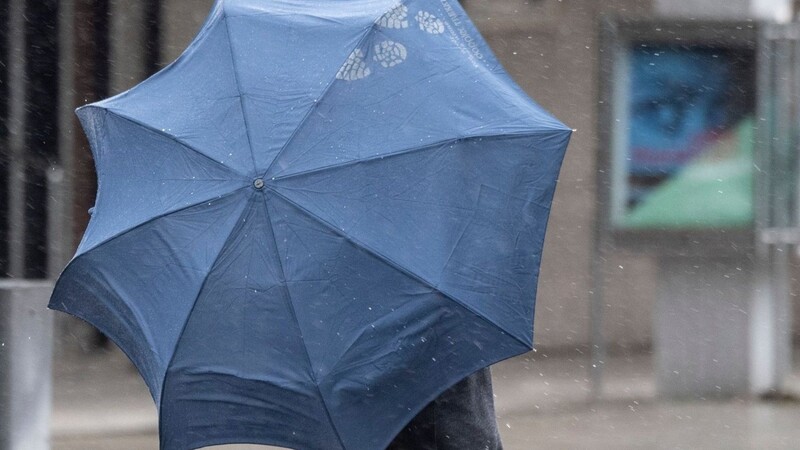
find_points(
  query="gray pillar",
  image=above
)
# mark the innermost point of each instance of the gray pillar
(58, 233)
(60, 230)
(770, 314)
(25, 365)
(16, 139)
(702, 326)
(127, 44)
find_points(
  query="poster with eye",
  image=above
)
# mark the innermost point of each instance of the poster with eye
(686, 153)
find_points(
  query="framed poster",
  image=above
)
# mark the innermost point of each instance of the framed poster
(682, 134)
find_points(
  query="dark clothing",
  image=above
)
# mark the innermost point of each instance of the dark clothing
(461, 418)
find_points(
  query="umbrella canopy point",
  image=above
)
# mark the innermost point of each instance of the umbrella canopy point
(104, 315)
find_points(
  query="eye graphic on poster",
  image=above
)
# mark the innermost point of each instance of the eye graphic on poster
(688, 153)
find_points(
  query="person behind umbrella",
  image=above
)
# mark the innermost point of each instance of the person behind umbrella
(462, 418)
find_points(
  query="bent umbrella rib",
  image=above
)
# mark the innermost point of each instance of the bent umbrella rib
(297, 323)
(194, 304)
(172, 138)
(397, 266)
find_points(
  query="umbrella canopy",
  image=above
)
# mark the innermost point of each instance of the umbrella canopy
(317, 219)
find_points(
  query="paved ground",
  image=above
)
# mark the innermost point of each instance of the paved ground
(542, 403)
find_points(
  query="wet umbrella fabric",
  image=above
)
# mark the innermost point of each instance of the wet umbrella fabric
(318, 218)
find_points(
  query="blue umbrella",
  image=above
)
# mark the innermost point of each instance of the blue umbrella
(317, 219)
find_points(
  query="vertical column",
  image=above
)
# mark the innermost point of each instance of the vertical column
(16, 138)
(777, 208)
(41, 127)
(91, 73)
(127, 44)
(61, 241)
(769, 347)
(4, 151)
(25, 365)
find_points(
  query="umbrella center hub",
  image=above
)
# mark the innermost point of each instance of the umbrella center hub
(258, 183)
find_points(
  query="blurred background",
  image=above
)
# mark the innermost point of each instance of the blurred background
(666, 311)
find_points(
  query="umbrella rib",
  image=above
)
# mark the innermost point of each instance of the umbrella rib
(194, 304)
(172, 138)
(313, 107)
(299, 328)
(396, 265)
(415, 149)
(241, 95)
(137, 226)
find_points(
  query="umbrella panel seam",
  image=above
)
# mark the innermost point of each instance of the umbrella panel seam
(137, 226)
(227, 26)
(194, 304)
(297, 322)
